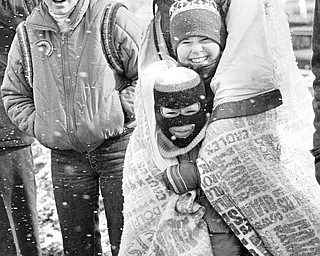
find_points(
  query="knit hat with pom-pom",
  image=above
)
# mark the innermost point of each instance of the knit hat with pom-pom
(196, 18)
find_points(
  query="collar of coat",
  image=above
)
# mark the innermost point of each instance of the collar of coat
(42, 20)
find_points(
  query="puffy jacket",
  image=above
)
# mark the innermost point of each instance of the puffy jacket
(11, 14)
(73, 104)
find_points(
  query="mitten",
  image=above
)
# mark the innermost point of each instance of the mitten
(183, 177)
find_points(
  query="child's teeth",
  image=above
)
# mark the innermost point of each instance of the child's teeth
(198, 60)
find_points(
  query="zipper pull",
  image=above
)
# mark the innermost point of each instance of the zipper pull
(63, 37)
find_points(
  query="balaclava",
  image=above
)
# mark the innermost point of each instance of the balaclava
(177, 88)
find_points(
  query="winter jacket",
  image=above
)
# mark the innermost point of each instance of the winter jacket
(11, 14)
(316, 82)
(73, 103)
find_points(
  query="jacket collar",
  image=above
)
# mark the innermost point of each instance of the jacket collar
(42, 20)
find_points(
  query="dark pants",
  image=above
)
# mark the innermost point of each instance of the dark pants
(18, 215)
(77, 178)
(223, 241)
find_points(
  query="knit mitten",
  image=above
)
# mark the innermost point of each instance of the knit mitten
(183, 177)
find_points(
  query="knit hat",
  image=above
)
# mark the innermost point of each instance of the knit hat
(196, 18)
(177, 89)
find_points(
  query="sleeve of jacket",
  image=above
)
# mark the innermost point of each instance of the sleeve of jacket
(16, 94)
(128, 36)
(12, 12)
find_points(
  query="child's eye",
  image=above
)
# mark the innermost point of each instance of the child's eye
(206, 40)
(191, 110)
(186, 111)
(185, 42)
(169, 112)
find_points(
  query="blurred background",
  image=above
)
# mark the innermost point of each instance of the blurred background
(300, 18)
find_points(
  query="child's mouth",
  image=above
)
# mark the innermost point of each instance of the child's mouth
(182, 131)
(198, 60)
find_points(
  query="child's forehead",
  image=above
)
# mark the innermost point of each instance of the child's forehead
(197, 38)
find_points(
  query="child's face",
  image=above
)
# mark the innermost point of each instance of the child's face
(181, 131)
(181, 114)
(197, 51)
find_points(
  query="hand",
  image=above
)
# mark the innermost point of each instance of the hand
(184, 176)
(127, 101)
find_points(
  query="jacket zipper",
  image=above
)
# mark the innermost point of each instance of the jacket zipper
(67, 83)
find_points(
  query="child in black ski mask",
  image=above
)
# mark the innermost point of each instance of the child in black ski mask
(181, 114)
(198, 37)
